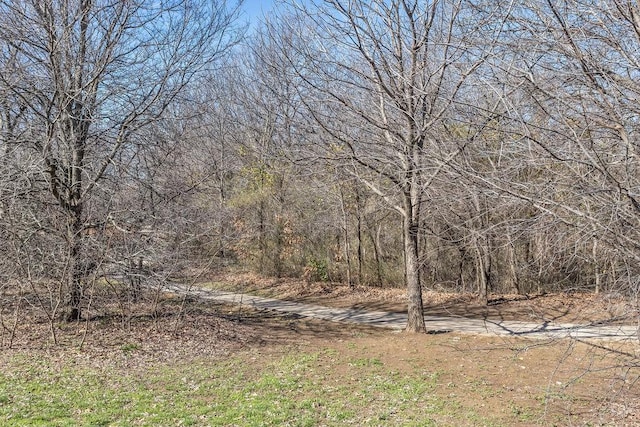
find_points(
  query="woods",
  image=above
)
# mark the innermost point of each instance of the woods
(451, 145)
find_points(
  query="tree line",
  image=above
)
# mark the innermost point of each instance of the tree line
(468, 146)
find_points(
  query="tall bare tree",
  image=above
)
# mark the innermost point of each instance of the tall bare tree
(80, 79)
(568, 80)
(379, 79)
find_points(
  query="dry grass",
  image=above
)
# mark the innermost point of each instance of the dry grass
(223, 364)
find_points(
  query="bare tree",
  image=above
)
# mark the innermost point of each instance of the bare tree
(567, 77)
(379, 79)
(81, 79)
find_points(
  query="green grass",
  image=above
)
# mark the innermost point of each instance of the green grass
(301, 389)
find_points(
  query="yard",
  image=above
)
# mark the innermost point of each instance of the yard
(219, 365)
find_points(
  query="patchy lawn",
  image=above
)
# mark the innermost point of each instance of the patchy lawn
(210, 364)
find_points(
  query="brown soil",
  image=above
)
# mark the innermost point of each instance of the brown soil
(554, 382)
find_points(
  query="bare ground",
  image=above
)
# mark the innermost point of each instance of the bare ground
(559, 382)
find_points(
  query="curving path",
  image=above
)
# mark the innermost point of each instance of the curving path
(435, 324)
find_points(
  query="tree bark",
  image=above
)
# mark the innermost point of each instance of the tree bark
(415, 320)
(513, 266)
(360, 251)
(76, 269)
(377, 253)
(345, 235)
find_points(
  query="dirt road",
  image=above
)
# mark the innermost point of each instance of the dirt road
(435, 324)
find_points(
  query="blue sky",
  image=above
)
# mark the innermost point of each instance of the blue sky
(254, 9)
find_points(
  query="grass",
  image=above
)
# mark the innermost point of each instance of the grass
(298, 389)
(214, 369)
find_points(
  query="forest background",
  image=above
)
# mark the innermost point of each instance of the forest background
(465, 146)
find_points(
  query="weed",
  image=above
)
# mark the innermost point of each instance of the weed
(521, 413)
(129, 348)
(317, 269)
(366, 362)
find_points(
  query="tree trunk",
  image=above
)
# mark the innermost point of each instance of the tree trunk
(278, 257)
(596, 266)
(513, 266)
(415, 310)
(481, 273)
(377, 251)
(76, 271)
(462, 286)
(345, 234)
(262, 236)
(359, 210)
(222, 203)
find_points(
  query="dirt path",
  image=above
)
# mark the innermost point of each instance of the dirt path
(435, 324)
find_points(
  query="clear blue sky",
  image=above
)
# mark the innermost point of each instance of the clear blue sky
(254, 9)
